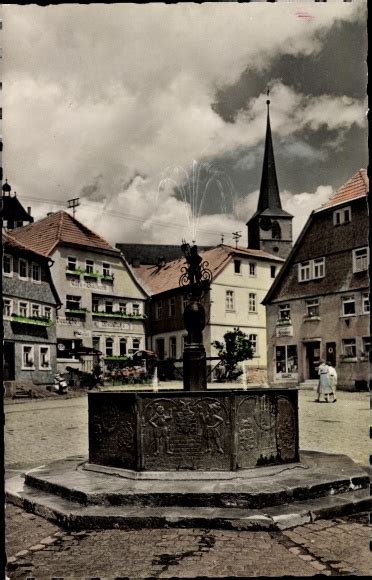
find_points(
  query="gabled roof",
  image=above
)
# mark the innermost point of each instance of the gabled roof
(10, 242)
(147, 254)
(59, 228)
(12, 210)
(163, 279)
(356, 187)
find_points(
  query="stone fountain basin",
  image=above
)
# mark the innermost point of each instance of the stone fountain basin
(193, 430)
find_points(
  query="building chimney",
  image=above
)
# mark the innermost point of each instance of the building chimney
(49, 213)
(29, 210)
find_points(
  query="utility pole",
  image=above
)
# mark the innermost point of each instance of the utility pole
(73, 203)
(236, 236)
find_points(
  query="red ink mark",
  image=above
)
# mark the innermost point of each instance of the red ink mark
(304, 15)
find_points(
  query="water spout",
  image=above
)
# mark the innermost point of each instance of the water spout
(155, 381)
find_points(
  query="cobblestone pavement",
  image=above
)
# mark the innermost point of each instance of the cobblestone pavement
(38, 432)
(41, 431)
(338, 547)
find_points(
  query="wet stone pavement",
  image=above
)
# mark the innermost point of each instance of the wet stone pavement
(38, 432)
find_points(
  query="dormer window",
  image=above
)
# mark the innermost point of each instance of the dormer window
(342, 216)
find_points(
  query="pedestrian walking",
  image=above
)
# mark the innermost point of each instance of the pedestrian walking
(332, 380)
(324, 384)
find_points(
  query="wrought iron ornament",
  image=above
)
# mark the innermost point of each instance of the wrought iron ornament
(196, 274)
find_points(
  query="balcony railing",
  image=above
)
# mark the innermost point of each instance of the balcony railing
(37, 320)
(77, 311)
(284, 322)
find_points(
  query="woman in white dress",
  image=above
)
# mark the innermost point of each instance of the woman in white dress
(324, 384)
(332, 380)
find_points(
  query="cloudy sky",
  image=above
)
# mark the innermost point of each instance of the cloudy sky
(154, 114)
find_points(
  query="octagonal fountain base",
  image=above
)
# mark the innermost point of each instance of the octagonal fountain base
(195, 430)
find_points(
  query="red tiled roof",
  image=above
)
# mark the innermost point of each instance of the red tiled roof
(59, 228)
(162, 279)
(356, 187)
(9, 241)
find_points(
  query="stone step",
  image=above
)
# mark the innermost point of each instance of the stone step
(74, 516)
(310, 384)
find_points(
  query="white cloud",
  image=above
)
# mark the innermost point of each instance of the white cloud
(125, 90)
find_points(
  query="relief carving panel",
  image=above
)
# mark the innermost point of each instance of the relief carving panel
(286, 430)
(187, 433)
(256, 436)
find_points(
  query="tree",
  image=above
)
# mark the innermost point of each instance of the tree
(236, 348)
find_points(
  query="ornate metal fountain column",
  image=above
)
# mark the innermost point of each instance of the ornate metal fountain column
(196, 279)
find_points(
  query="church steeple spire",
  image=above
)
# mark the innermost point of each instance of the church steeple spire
(270, 228)
(269, 191)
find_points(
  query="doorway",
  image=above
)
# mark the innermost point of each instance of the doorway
(331, 353)
(9, 361)
(160, 350)
(313, 358)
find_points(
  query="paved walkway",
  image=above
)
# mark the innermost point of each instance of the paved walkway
(38, 549)
(38, 432)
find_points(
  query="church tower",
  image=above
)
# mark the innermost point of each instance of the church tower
(270, 228)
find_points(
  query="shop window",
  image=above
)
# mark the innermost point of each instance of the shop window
(286, 359)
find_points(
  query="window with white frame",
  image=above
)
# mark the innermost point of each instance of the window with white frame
(7, 307)
(311, 269)
(342, 216)
(89, 266)
(319, 268)
(229, 300)
(95, 304)
(109, 346)
(35, 310)
(136, 309)
(286, 359)
(22, 269)
(252, 268)
(123, 307)
(252, 302)
(71, 263)
(27, 357)
(106, 269)
(159, 310)
(237, 266)
(108, 306)
(172, 307)
(172, 347)
(312, 307)
(304, 271)
(284, 312)
(365, 301)
(23, 309)
(360, 259)
(123, 347)
(7, 265)
(253, 340)
(73, 302)
(36, 272)
(44, 357)
(349, 347)
(366, 344)
(348, 306)
(48, 312)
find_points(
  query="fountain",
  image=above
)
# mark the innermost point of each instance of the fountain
(155, 381)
